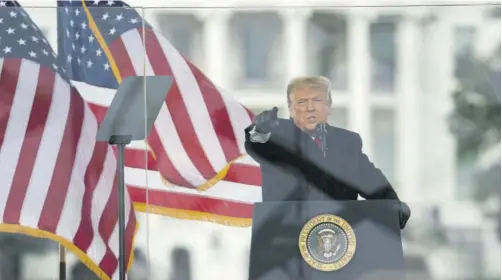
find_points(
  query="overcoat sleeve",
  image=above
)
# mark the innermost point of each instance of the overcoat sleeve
(370, 180)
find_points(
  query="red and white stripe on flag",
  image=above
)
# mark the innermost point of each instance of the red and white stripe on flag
(199, 131)
(56, 181)
(197, 141)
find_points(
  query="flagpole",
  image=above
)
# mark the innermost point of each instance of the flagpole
(62, 262)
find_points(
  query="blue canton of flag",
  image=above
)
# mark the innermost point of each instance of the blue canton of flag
(20, 37)
(80, 29)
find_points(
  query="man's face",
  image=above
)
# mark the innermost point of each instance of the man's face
(309, 107)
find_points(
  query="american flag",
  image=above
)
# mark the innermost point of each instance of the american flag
(57, 181)
(197, 143)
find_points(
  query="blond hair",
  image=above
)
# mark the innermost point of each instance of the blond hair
(315, 82)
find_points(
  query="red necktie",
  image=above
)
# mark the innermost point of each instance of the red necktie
(318, 142)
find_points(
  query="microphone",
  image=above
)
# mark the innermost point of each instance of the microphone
(321, 133)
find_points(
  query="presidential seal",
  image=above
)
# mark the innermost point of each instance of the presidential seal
(327, 242)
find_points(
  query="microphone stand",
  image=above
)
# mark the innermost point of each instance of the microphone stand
(324, 146)
(321, 134)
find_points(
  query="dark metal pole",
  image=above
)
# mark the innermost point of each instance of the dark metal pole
(120, 169)
(62, 262)
(121, 141)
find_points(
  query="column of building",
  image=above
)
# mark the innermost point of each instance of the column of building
(295, 21)
(408, 111)
(359, 64)
(439, 147)
(215, 40)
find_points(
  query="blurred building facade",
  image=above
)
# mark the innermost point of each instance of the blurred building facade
(392, 71)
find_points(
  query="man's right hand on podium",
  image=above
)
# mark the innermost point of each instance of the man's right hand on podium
(404, 214)
(264, 124)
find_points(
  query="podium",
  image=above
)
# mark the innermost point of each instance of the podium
(349, 240)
